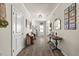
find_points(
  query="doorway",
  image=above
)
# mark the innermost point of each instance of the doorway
(42, 29)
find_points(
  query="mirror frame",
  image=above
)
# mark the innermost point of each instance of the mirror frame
(55, 22)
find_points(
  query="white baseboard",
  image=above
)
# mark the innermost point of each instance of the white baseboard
(64, 53)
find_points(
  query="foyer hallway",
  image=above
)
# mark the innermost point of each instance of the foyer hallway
(38, 19)
(39, 48)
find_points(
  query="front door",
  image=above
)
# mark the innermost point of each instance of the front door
(17, 32)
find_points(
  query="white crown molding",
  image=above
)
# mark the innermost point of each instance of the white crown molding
(53, 11)
(27, 12)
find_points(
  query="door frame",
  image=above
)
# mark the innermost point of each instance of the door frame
(12, 51)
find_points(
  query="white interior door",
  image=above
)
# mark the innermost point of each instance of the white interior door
(17, 32)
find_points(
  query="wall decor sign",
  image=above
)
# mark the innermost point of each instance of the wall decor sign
(66, 19)
(70, 17)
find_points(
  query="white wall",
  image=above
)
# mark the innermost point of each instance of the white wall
(5, 34)
(70, 42)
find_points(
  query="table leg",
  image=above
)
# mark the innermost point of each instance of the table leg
(56, 48)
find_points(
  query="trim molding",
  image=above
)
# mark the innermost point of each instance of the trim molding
(64, 53)
(53, 10)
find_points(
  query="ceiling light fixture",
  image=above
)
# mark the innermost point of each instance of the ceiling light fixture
(40, 16)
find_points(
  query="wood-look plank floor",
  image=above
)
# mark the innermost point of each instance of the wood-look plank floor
(39, 48)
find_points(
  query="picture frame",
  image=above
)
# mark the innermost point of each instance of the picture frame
(70, 17)
(66, 21)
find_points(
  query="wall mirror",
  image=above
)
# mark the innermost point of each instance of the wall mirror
(50, 26)
(57, 24)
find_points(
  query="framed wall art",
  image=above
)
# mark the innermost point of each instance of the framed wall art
(66, 18)
(70, 17)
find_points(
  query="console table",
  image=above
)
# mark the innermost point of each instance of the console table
(56, 38)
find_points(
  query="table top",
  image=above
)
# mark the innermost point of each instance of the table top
(56, 37)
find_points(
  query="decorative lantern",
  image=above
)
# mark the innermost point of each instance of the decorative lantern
(3, 21)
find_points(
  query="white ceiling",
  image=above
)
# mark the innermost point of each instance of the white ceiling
(43, 9)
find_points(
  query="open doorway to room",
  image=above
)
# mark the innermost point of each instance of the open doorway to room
(41, 29)
(41, 32)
